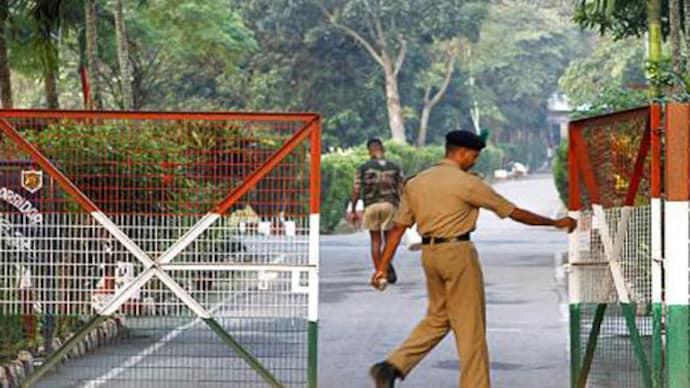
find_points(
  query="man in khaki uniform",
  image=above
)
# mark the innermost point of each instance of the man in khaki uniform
(444, 201)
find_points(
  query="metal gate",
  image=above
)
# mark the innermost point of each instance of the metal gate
(615, 255)
(160, 249)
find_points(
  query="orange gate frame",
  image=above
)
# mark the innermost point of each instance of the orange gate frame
(310, 131)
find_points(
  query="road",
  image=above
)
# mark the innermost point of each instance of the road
(527, 327)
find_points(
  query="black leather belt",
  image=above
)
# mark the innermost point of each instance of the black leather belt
(426, 240)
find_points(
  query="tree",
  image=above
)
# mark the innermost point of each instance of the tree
(675, 26)
(5, 79)
(168, 69)
(686, 31)
(621, 18)
(46, 15)
(618, 18)
(123, 54)
(654, 34)
(92, 62)
(388, 29)
(523, 50)
(435, 82)
(614, 67)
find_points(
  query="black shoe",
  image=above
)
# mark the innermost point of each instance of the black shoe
(384, 374)
(392, 276)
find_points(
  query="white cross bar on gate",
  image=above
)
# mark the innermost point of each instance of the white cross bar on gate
(613, 247)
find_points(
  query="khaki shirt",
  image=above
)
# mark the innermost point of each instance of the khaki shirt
(444, 201)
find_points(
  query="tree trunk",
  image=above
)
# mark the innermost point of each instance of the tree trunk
(686, 5)
(395, 117)
(5, 79)
(424, 124)
(50, 84)
(123, 56)
(654, 22)
(429, 101)
(674, 39)
(92, 67)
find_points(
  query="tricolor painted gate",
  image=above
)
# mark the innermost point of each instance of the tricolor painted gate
(615, 255)
(160, 249)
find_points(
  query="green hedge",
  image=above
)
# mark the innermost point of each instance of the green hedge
(338, 169)
(560, 171)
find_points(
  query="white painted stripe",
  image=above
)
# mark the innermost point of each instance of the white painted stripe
(657, 254)
(619, 281)
(612, 249)
(604, 230)
(120, 297)
(238, 267)
(182, 294)
(188, 238)
(314, 258)
(623, 222)
(677, 244)
(574, 257)
(122, 238)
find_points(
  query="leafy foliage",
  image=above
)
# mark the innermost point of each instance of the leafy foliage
(560, 172)
(618, 18)
(517, 63)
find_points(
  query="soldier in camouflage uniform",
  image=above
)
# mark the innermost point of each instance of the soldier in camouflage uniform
(379, 183)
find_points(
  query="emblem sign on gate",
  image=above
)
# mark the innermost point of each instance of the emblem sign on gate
(32, 180)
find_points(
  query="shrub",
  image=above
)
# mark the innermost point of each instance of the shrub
(560, 171)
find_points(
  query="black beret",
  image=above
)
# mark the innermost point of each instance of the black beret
(465, 139)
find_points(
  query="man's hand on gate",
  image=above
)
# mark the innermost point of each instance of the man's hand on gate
(566, 223)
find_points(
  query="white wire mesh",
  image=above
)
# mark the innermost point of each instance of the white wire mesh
(592, 272)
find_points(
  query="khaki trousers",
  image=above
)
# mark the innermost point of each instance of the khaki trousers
(456, 301)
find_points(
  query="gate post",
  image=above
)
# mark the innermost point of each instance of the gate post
(656, 238)
(314, 233)
(676, 243)
(574, 206)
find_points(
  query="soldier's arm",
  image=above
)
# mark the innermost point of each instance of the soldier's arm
(394, 237)
(356, 192)
(528, 218)
(403, 220)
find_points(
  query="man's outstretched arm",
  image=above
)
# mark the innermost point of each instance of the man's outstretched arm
(394, 237)
(356, 193)
(528, 218)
